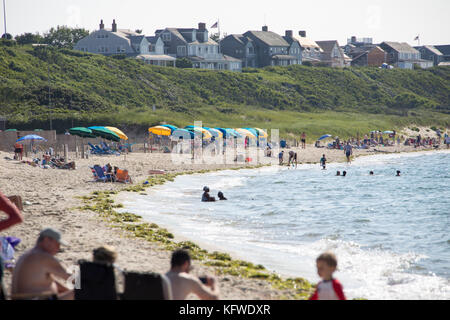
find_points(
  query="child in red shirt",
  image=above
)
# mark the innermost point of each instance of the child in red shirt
(328, 288)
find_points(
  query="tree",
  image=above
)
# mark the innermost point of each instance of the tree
(183, 63)
(64, 37)
(29, 38)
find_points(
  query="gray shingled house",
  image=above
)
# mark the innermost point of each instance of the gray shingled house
(120, 41)
(240, 47)
(196, 45)
(403, 56)
(439, 54)
(271, 49)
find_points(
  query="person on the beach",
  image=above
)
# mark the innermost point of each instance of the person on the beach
(323, 162)
(447, 141)
(348, 152)
(18, 151)
(183, 283)
(303, 137)
(36, 272)
(206, 197)
(280, 157)
(329, 288)
(14, 217)
(221, 196)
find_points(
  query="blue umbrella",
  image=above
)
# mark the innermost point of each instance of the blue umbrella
(172, 128)
(233, 133)
(31, 137)
(178, 133)
(254, 131)
(324, 137)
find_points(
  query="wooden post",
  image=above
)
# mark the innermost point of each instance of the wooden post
(66, 149)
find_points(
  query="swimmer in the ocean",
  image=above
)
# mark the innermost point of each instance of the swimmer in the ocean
(206, 197)
(221, 196)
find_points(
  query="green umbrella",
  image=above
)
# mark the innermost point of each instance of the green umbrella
(82, 132)
(105, 133)
(10, 130)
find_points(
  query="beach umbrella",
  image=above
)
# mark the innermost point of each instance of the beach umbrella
(388, 132)
(105, 133)
(245, 133)
(82, 132)
(216, 133)
(160, 131)
(172, 128)
(324, 137)
(253, 130)
(178, 133)
(31, 137)
(234, 133)
(261, 133)
(10, 130)
(119, 132)
(38, 130)
(205, 133)
(228, 133)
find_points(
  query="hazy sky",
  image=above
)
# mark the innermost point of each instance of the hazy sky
(382, 20)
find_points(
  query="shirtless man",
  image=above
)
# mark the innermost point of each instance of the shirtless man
(36, 272)
(183, 283)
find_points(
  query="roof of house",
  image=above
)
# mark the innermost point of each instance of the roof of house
(269, 38)
(327, 45)
(307, 43)
(432, 49)
(400, 47)
(152, 39)
(444, 49)
(241, 38)
(185, 34)
(156, 57)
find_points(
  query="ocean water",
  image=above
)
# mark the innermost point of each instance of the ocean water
(391, 234)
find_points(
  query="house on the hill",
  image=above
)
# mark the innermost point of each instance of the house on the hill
(333, 55)
(121, 41)
(403, 56)
(439, 54)
(240, 47)
(196, 45)
(271, 49)
(363, 56)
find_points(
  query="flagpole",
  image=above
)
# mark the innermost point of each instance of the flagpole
(4, 15)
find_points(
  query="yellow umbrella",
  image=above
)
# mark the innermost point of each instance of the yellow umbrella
(262, 133)
(246, 133)
(206, 133)
(160, 131)
(118, 132)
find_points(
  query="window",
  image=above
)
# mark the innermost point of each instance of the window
(181, 50)
(166, 36)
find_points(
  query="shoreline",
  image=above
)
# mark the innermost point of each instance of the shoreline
(58, 205)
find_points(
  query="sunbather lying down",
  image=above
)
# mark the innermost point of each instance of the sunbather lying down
(62, 165)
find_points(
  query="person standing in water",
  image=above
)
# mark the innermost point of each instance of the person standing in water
(323, 162)
(348, 152)
(206, 197)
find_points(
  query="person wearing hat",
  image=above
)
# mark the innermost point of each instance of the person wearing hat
(37, 272)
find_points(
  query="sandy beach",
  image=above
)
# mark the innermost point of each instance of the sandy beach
(51, 198)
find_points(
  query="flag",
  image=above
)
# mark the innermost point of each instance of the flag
(416, 38)
(215, 25)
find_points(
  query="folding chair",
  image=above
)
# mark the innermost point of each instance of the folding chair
(97, 282)
(146, 286)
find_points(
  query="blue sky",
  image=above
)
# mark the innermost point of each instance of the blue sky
(382, 20)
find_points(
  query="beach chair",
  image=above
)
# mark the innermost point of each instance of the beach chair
(101, 176)
(97, 282)
(146, 286)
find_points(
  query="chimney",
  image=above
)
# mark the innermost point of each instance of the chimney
(114, 26)
(289, 33)
(202, 26)
(102, 26)
(265, 28)
(302, 34)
